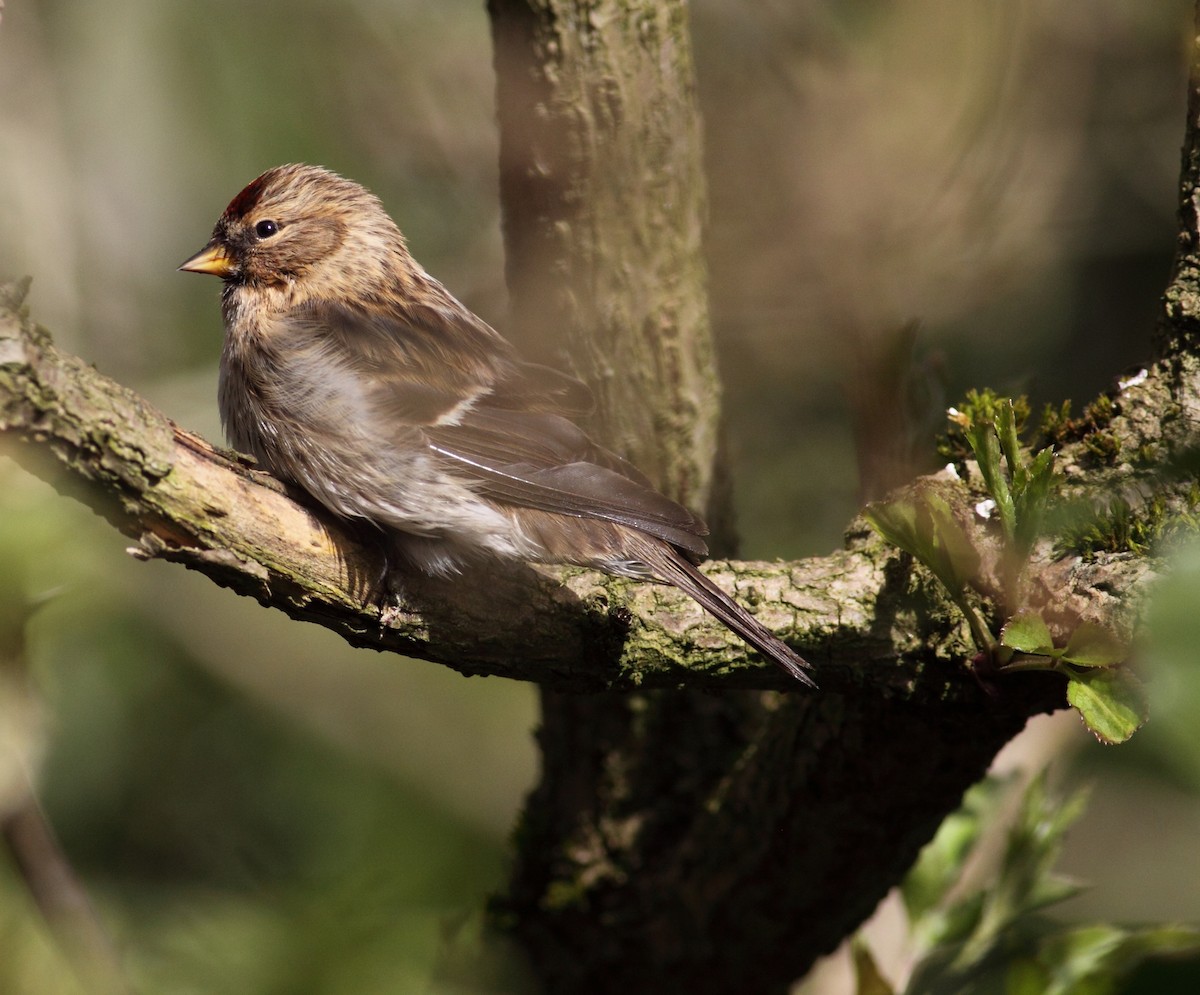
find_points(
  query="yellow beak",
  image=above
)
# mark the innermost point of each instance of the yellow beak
(211, 259)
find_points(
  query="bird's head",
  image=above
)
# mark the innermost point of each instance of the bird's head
(298, 225)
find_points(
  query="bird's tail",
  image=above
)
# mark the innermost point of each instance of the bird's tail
(672, 567)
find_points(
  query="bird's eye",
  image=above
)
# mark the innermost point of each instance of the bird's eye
(265, 229)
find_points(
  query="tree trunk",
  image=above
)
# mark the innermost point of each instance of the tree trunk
(680, 841)
(603, 202)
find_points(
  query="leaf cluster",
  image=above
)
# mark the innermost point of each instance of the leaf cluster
(1021, 485)
(1110, 700)
(998, 938)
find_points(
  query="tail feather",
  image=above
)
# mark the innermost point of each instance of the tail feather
(673, 568)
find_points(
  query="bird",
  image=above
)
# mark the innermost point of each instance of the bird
(348, 371)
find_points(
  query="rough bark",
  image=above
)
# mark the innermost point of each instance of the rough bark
(718, 841)
(602, 193)
(185, 501)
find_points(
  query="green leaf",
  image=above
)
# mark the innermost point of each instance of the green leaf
(955, 559)
(1052, 889)
(1111, 702)
(1086, 957)
(1027, 632)
(927, 528)
(941, 860)
(1006, 432)
(1093, 645)
(941, 929)
(896, 521)
(868, 979)
(1025, 880)
(985, 444)
(1032, 488)
(1019, 976)
(1040, 957)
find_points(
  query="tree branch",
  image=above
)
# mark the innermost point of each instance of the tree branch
(865, 617)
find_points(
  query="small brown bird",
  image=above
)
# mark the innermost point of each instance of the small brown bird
(350, 372)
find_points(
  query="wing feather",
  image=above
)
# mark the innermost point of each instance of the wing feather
(488, 417)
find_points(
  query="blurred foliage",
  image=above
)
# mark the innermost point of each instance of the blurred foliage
(1169, 650)
(1003, 172)
(228, 847)
(997, 938)
(260, 809)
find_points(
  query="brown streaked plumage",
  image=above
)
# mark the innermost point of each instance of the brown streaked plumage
(352, 373)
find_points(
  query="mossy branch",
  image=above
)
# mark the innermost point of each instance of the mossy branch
(863, 615)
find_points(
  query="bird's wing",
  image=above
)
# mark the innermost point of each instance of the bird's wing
(441, 372)
(541, 460)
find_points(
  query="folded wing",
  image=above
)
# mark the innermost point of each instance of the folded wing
(501, 423)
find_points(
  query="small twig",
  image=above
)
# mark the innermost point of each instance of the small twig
(61, 898)
(57, 892)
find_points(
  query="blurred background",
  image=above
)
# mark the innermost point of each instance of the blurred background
(907, 200)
